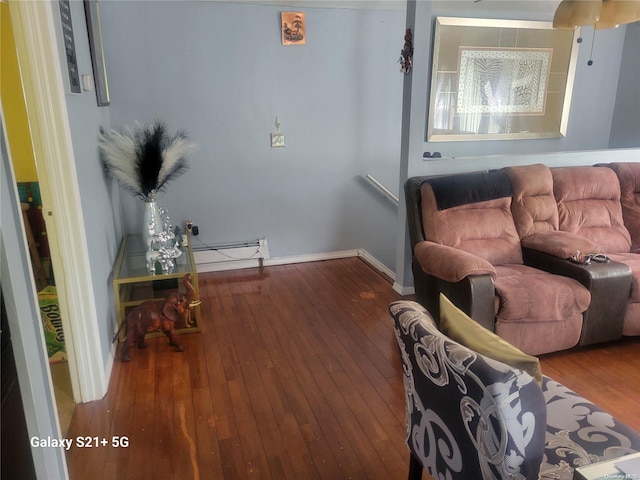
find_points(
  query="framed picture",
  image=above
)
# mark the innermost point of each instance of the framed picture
(293, 28)
(500, 80)
(92, 12)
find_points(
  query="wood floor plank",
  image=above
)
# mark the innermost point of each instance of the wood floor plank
(185, 441)
(207, 444)
(294, 375)
(279, 461)
(163, 454)
(141, 433)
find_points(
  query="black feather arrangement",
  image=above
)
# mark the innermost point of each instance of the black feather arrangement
(146, 158)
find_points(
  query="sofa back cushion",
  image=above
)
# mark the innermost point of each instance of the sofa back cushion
(629, 177)
(533, 206)
(588, 201)
(472, 212)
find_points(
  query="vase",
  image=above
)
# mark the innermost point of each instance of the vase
(152, 220)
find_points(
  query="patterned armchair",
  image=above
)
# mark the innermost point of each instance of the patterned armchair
(471, 417)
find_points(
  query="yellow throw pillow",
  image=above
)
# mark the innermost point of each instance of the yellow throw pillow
(457, 325)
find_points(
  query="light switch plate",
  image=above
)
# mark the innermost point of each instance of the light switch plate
(87, 83)
(277, 139)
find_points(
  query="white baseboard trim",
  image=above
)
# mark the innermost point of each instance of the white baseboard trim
(402, 290)
(377, 264)
(111, 358)
(204, 267)
(311, 257)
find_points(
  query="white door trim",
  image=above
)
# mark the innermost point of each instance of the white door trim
(27, 336)
(37, 48)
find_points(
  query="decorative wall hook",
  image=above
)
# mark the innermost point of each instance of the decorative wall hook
(406, 54)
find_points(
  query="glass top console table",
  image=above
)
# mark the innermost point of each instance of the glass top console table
(133, 284)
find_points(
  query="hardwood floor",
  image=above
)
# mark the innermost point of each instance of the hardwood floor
(295, 375)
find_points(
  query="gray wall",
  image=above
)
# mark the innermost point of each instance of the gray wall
(625, 130)
(219, 71)
(100, 205)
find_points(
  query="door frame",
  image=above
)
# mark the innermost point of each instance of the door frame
(27, 337)
(38, 57)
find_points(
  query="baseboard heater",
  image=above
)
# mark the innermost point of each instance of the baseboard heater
(231, 256)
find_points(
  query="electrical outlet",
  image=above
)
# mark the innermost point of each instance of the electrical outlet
(277, 139)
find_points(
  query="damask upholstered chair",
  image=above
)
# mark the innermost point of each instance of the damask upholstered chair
(469, 417)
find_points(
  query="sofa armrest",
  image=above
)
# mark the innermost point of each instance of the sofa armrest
(474, 295)
(560, 244)
(449, 263)
(585, 274)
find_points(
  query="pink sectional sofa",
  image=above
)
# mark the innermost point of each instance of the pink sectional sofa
(498, 244)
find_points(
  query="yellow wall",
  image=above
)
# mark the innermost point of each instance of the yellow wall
(15, 111)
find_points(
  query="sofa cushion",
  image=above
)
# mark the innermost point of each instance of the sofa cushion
(537, 311)
(588, 201)
(522, 289)
(485, 228)
(631, 325)
(629, 177)
(534, 206)
(457, 325)
(632, 260)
